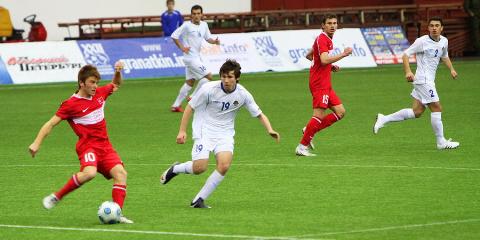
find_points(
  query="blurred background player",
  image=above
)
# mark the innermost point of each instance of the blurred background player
(193, 33)
(171, 19)
(215, 107)
(84, 111)
(320, 85)
(429, 49)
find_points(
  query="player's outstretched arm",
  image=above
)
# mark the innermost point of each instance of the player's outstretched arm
(182, 132)
(449, 64)
(43, 133)
(406, 68)
(326, 59)
(180, 45)
(266, 123)
(214, 41)
(117, 77)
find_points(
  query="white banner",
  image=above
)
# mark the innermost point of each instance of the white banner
(42, 62)
(283, 50)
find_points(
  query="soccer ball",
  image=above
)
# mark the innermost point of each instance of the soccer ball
(109, 213)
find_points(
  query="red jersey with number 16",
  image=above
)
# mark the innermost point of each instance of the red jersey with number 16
(86, 117)
(320, 74)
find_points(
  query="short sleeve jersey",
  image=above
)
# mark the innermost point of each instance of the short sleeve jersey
(170, 22)
(192, 35)
(320, 74)
(428, 53)
(215, 110)
(86, 115)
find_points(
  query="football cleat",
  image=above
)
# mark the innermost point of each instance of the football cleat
(379, 123)
(448, 144)
(123, 219)
(303, 151)
(50, 201)
(199, 204)
(176, 109)
(168, 174)
(310, 146)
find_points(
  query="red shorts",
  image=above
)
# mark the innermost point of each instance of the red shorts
(104, 158)
(325, 98)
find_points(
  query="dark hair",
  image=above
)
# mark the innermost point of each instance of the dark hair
(436, 18)
(328, 16)
(86, 72)
(196, 7)
(231, 65)
(170, 1)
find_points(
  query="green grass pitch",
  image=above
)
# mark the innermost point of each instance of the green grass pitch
(394, 185)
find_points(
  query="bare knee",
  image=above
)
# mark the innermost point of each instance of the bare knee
(199, 167)
(86, 175)
(120, 175)
(340, 114)
(190, 82)
(222, 168)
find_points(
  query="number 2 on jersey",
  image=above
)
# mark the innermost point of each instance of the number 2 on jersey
(436, 52)
(225, 105)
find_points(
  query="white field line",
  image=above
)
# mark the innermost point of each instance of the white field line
(149, 232)
(271, 165)
(391, 228)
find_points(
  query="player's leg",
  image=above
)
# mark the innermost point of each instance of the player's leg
(86, 174)
(404, 114)
(119, 189)
(437, 126)
(224, 160)
(199, 72)
(182, 94)
(198, 164)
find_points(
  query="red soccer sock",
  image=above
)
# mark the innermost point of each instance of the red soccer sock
(119, 192)
(312, 127)
(328, 120)
(71, 185)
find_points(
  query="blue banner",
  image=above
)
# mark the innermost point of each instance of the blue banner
(4, 75)
(386, 43)
(143, 57)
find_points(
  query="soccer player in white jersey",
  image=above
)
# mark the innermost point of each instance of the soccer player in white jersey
(193, 33)
(215, 107)
(429, 49)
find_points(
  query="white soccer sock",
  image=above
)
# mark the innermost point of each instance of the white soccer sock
(182, 94)
(212, 183)
(199, 85)
(401, 115)
(437, 125)
(186, 167)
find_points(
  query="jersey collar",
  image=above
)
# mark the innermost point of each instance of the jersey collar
(326, 35)
(223, 89)
(78, 96)
(433, 39)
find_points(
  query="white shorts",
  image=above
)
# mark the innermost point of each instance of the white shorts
(195, 69)
(425, 93)
(202, 147)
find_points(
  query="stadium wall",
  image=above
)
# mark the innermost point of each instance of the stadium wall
(51, 12)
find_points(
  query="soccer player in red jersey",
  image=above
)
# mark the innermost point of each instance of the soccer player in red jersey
(324, 96)
(84, 111)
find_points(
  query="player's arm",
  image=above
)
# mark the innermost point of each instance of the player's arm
(43, 133)
(213, 41)
(180, 45)
(326, 59)
(266, 123)
(309, 55)
(182, 132)
(449, 64)
(117, 76)
(406, 68)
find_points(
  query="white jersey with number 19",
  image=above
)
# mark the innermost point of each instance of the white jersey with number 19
(215, 110)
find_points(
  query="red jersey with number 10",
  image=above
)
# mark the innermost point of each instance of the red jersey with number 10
(320, 74)
(86, 116)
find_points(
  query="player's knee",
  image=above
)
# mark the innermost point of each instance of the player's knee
(121, 175)
(89, 175)
(223, 168)
(340, 114)
(199, 168)
(418, 113)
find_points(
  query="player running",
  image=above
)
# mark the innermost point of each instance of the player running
(429, 49)
(84, 111)
(324, 96)
(193, 33)
(215, 107)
